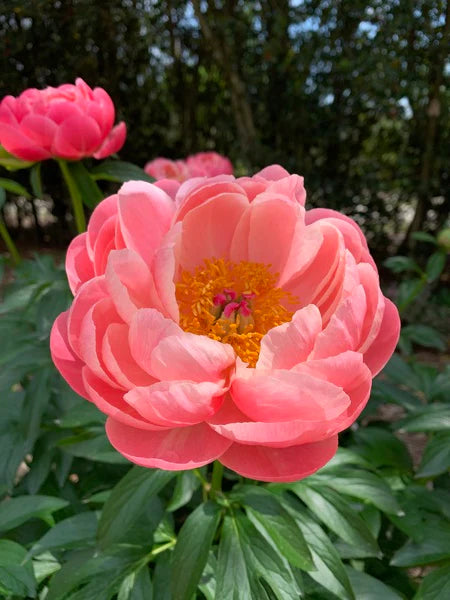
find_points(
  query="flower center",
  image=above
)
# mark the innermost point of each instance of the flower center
(234, 303)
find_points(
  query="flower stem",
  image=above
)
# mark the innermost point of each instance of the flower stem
(216, 480)
(75, 195)
(15, 256)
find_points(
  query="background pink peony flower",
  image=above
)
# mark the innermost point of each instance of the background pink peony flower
(208, 164)
(164, 168)
(70, 122)
(230, 324)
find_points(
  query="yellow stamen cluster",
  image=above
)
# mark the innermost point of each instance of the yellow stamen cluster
(195, 293)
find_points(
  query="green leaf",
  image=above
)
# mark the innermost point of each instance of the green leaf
(137, 586)
(192, 549)
(435, 586)
(84, 413)
(435, 265)
(16, 573)
(11, 162)
(2, 199)
(338, 515)
(89, 191)
(429, 550)
(247, 564)
(360, 484)
(400, 264)
(15, 188)
(435, 417)
(120, 171)
(369, 588)
(381, 448)
(93, 446)
(101, 574)
(73, 532)
(127, 503)
(15, 511)
(422, 236)
(330, 571)
(425, 336)
(185, 486)
(265, 511)
(436, 456)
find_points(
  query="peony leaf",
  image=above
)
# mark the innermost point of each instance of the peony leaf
(192, 549)
(18, 510)
(119, 171)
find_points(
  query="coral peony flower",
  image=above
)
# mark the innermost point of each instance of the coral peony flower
(164, 168)
(230, 324)
(70, 122)
(203, 164)
(208, 164)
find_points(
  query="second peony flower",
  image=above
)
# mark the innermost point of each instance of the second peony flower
(226, 324)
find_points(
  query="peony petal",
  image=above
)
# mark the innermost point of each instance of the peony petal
(273, 173)
(176, 403)
(192, 357)
(279, 464)
(88, 294)
(279, 395)
(130, 283)
(20, 145)
(384, 344)
(173, 450)
(291, 343)
(113, 142)
(147, 328)
(118, 360)
(67, 363)
(77, 136)
(209, 228)
(78, 264)
(102, 212)
(40, 129)
(110, 401)
(196, 191)
(145, 214)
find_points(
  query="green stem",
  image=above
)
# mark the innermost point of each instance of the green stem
(216, 480)
(77, 200)
(9, 243)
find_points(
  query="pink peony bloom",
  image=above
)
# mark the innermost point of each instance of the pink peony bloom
(208, 164)
(70, 122)
(203, 164)
(230, 324)
(164, 168)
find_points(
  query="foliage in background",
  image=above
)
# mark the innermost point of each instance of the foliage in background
(353, 97)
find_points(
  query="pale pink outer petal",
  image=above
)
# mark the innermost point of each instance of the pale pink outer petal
(173, 450)
(208, 229)
(384, 344)
(279, 464)
(292, 187)
(170, 186)
(78, 264)
(165, 271)
(113, 142)
(66, 361)
(281, 395)
(110, 401)
(104, 243)
(291, 343)
(145, 214)
(176, 403)
(130, 283)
